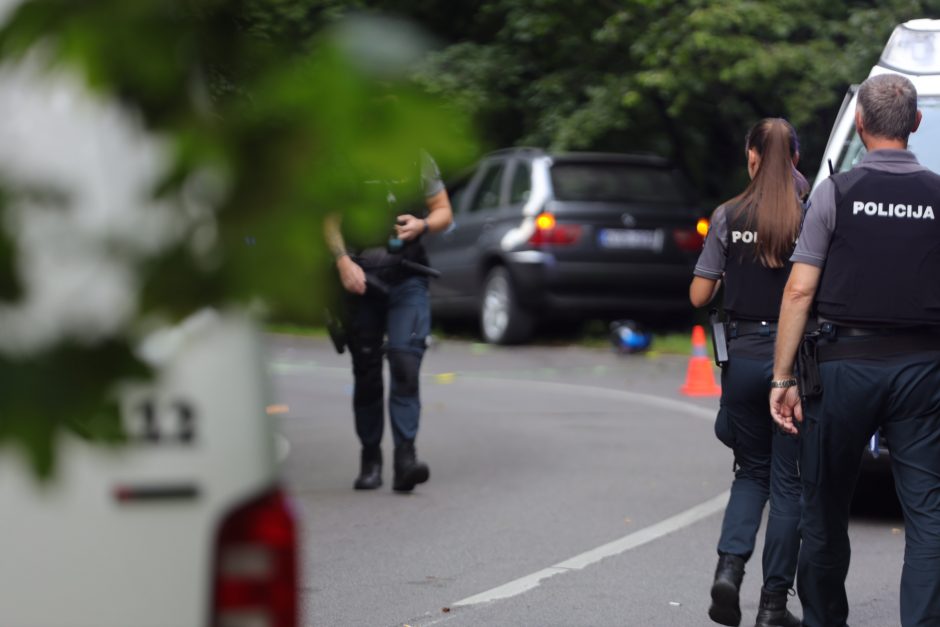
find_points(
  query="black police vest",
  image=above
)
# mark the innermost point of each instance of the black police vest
(395, 197)
(883, 264)
(752, 290)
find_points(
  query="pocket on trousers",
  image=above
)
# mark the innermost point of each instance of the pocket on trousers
(810, 448)
(723, 429)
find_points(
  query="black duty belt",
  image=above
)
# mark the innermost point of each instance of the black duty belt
(395, 270)
(874, 342)
(737, 328)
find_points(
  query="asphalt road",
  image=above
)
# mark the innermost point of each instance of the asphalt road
(569, 487)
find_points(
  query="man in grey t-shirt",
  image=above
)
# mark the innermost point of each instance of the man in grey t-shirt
(401, 314)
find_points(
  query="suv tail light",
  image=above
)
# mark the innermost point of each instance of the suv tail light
(256, 566)
(702, 226)
(688, 240)
(548, 231)
(691, 240)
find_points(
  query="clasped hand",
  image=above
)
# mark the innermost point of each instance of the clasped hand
(408, 227)
(785, 408)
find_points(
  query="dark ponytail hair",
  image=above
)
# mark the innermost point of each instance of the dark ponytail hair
(771, 202)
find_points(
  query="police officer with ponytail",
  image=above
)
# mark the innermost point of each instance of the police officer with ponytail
(868, 262)
(748, 247)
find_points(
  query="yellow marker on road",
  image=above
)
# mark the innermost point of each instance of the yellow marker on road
(445, 377)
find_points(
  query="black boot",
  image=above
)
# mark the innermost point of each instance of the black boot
(773, 611)
(370, 469)
(726, 608)
(408, 470)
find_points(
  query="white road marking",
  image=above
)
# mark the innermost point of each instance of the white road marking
(630, 541)
(622, 545)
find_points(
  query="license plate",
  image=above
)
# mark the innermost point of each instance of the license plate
(631, 239)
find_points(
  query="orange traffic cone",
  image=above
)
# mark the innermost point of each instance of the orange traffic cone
(700, 378)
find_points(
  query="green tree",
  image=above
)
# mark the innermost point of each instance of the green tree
(681, 78)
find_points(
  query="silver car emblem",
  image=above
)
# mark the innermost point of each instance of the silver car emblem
(628, 220)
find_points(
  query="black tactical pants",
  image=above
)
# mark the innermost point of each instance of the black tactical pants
(902, 396)
(403, 317)
(765, 463)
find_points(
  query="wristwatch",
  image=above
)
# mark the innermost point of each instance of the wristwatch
(783, 383)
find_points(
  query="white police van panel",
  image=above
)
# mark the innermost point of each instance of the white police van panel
(914, 51)
(155, 533)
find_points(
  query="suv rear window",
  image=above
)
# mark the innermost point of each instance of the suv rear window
(616, 182)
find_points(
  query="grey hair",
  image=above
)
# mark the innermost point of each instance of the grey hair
(888, 103)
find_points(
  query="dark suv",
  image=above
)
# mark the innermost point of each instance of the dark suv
(574, 235)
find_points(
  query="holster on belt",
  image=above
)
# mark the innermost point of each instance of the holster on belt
(719, 339)
(336, 331)
(807, 367)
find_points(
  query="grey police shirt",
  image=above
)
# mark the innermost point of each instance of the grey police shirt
(711, 262)
(813, 243)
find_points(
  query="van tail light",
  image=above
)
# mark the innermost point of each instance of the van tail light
(256, 581)
(549, 232)
(688, 240)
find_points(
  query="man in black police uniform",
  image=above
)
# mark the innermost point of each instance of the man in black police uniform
(395, 306)
(869, 258)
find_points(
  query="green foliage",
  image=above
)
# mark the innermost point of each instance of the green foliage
(271, 125)
(10, 288)
(70, 386)
(717, 67)
(684, 79)
(681, 78)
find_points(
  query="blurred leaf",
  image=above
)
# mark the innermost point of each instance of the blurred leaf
(10, 288)
(272, 122)
(71, 385)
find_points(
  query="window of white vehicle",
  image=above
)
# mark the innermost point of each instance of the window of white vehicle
(925, 143)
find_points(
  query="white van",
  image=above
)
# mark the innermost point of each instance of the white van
(914, 51)
(183, 526)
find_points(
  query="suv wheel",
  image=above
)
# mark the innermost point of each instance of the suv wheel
(502, 320)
